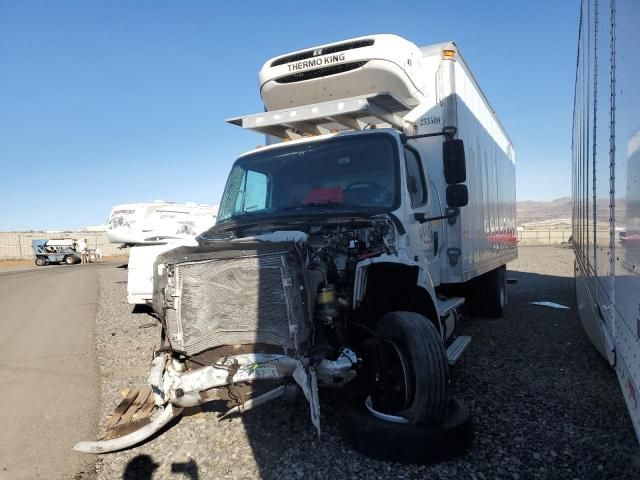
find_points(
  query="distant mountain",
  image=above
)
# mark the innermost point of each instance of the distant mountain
(532, 211)
(560, 210)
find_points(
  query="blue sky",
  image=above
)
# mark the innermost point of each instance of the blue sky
(111, 102)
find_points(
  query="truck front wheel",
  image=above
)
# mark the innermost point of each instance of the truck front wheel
(69, 260)
(404, 413)
(408, 371)
(40, 261)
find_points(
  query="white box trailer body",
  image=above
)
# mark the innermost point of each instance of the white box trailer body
(606, 187)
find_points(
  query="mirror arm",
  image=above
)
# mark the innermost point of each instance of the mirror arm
(449, 132)
(452, 213)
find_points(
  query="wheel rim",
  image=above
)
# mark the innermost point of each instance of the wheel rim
(393, 380)
(403, 384)
(383, 416)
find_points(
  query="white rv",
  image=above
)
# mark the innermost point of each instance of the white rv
(344, 249)
(157, 222)
(150, 229)
(606, 187)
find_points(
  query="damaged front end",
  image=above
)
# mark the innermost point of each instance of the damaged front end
(238, 322)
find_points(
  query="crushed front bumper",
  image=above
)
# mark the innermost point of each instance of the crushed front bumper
(171, 388)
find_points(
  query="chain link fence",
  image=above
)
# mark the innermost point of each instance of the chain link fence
(531, 237)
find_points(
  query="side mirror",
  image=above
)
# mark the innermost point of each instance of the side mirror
(455, 169)
(457, 195)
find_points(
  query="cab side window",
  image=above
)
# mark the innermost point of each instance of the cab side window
(415, 178)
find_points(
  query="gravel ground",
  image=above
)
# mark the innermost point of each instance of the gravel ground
(545, 405)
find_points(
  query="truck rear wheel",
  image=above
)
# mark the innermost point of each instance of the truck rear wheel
(495, 292)
(70, 260)
(486, 295)
(40, 261)
(407, 369)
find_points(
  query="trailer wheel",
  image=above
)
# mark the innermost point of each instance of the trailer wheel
(404, 442)
(40, 261)
(495, 292)
(69, 260)
(406, 369)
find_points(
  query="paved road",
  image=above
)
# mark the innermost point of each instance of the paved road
(48, 369)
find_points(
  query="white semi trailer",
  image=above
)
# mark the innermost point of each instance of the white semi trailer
(344, 249)
(606, 187)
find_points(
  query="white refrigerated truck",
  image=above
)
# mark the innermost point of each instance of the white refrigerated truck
(384, 200)
(606, 187)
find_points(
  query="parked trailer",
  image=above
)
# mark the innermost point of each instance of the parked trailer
(150, 229)
(344, 249)
(158, 222)
(140, 268)
(606, 187)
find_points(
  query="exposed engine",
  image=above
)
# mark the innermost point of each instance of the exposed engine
(335, 251)
(339, 248)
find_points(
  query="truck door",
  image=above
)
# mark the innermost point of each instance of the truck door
(421, 235)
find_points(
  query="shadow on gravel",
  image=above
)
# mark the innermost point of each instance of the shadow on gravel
(140, 468)
(187, 469)
(543, 401)
(139, 308)
(143, 467)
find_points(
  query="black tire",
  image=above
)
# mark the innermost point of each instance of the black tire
(424, 363)
(495, 292)
(486, 295)
(404, 442)
(40, 261)
(70, 260)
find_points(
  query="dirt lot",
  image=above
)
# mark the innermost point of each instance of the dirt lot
(27, 263)
(544, 403)
(15, 263)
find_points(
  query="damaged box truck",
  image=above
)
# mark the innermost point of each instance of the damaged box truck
(343, 251)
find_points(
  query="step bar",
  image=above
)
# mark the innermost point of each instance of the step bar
(455, 350)
(445, 306)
